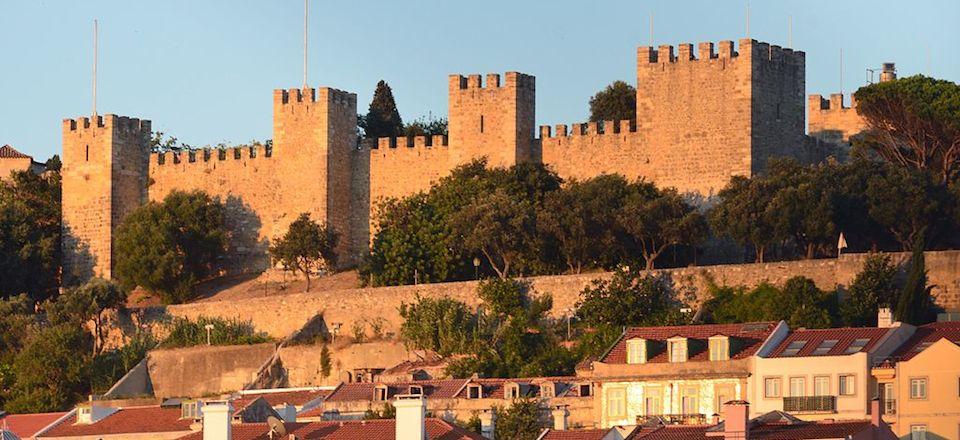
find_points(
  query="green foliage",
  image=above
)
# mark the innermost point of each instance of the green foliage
(909, 204)
(799, 302)
(617, 102)
(473, 424)
(520, 421)
(51, 370)
(426, 127)
(186, 333)
(30, 229)
(168, 247)
(442, 325)
(307, 247)
(110, 366)
(914, 305)
(88, 302)
(914, 122)
(359, 330)
(657, 219)
(387, 412)
(630, 298)
(382, 118)
(325, 361)
(500, 227)
(874, 286)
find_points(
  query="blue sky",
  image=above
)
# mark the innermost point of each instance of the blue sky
(203, 70)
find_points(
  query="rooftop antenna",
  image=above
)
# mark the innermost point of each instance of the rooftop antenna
(748, 19)
(841, 71)
(305, 11)
(95, 31)
(790, 31)
(651, 29)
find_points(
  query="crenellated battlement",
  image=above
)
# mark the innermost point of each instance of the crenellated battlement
(725, 50)
(438, 140)
(835, 103)
(105, 121)
(588, 129)
(311, 95)
(203, 155)
(511, 80)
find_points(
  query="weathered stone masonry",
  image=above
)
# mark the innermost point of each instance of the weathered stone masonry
(701, 118)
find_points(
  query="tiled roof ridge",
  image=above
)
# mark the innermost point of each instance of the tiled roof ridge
(8, 151)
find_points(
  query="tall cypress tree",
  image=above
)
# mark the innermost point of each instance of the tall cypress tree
(913, 306)
(383, 119)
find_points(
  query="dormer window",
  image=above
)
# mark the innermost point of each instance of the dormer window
(585, 390)
(380, 393)
(677, 348)
(511, 391)
(548, 390)
(636, 351)
(416, 390)
(719, 348)
(84, 414)
(190, 410)
(474, 392)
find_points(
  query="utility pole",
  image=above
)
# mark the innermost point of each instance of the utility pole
(305, 15)
(95, 31)
(651, 29)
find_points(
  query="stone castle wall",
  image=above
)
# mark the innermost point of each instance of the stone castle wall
(831, 121)
(283, 315)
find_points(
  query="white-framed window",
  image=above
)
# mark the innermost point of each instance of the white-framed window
(677, 349)
(380, 394)
(918, 432)
(689, 403)
(474, 392)
(652, 405)
(798, 386)
(416, 390)
(636, 351)
(771, 387)
(511, 391)
(918, 388)
(821, 386)
(847, 385)
(585, 389)
(719, 348)
(616, 403)
(547, 389)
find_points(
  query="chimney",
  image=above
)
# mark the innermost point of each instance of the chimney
(876, 413)
(488, 421)
(217, 417)
(884, 317)
(736, 423)
(92, 412)
(411, 417)
(560, 418)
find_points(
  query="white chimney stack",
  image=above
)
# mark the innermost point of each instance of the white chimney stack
(217, 418)
(411, 417)
(884, 318)
(488, 422)
(92, 412)
(560, 418)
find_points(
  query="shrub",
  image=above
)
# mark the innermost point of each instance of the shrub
(187, 333)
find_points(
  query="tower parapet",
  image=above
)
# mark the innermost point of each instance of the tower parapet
(492, 119)
(831, 121)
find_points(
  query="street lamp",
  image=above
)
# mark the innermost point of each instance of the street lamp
(570, 312)
(336, 329)
(476, 268)
(209, 328)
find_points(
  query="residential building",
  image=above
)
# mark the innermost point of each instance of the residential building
(287, 402)
(27, 426)
(12, 160)
(677, 374)
(823, 373)
(920, 384)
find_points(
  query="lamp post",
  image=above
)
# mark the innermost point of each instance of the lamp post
(570, 312)
(336, 329)
(209, 328)
(476, 268)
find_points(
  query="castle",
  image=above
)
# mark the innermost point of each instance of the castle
(702, 116)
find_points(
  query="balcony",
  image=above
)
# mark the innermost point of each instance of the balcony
(889, 406)
(810, 404)
(673, 419)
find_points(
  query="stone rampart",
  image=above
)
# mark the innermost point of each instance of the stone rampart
(280, 316)
(202, 371)
(831, 120)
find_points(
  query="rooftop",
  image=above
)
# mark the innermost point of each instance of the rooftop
(829, 342)
(28, 425)
(144, 419)
(437, 429)
(750, 335)
(925, 336)
(8, 152)
(295, 397)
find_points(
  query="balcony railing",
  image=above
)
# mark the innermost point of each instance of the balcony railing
(673, 419)
(810, 404)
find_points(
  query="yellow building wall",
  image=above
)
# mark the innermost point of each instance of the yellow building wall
(848, 407)
(670, 394)
(940, 411)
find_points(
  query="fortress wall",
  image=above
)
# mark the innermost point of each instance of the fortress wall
(403, 166)
(247, 180)
(831, 121)
(778, 114)
(590, 149)
(203, 371)
(282, 315)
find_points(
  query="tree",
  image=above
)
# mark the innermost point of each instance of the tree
(629, 298)
(382, 119)
(88, 302)
(307, 247)
(802, 208)
(426, 127)
(914, 303)
(742, 215)
(617, 102)
(799, 302)
(520, 421)
(874, 287)
(30, 229)
(50, 371)
(909, 204)
(325, 361)
(499, 226)
(657, 219)
(442, 325)
(53, 163)
(169, 246)
(914, 122)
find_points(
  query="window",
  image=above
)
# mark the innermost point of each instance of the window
(474, 392)
(771, 387)
(798, 386)
(793, 348)
(821, 386)
(87, 153)
(547, 390)
(689, 401)
(616, 403)
(719, 348)
(636, 351)
(190, 410)
(678, 350)
(585, 390)
(481, 123)
(918, 432)
(511, 391)
(918, 388)
(651, 402)
(856, 346)
(825, 347)
(416, 390)
(380, 394)
(847, 385)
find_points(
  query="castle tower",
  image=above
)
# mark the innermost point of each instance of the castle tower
(315, 135)
(104, 179)
(493, 119)
(731, 109)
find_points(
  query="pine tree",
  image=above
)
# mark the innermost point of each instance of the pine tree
(914, 302)
(383, 119)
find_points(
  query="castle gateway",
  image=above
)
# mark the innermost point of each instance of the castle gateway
(702, 116)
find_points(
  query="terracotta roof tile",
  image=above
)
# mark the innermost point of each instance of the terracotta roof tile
(926, 335)
(437, 429)
(8, 152)
(434, 389)
(844, 337)
(274, 398)
(767, 431)
(27, 425)
(750, 335)
(125, 421)
(576, 434)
